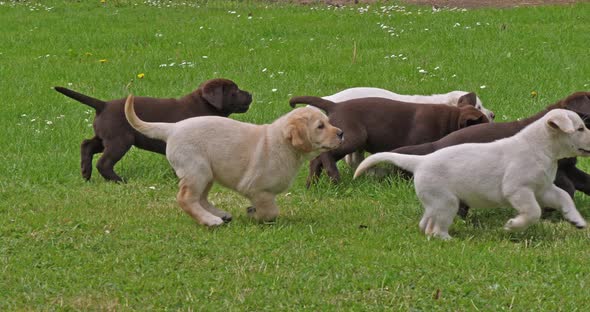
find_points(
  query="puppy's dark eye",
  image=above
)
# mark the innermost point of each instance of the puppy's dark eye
(321, 126)
(581, 129)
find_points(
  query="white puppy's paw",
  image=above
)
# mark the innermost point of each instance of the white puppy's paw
(511, 226)
(443, 235)
(580, 224)
(516, 224)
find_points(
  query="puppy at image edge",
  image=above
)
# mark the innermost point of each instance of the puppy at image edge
(517, 171)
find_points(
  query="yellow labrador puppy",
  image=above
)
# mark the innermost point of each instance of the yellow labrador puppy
(258, 161)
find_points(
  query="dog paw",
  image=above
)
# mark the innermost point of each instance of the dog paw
(227, 218)
(212, 222)
(509, 226)
(444, 236)
(581, 224)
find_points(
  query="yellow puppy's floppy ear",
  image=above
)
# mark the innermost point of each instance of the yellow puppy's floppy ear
(296, 133)
(561, 122)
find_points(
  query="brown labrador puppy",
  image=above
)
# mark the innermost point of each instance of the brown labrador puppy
(114, 136)
(378, 125)
(568, 178)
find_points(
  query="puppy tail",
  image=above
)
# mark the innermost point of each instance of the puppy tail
(318, 102)
(154, 130)
(97, 104)
(406, 162)
(420, 149)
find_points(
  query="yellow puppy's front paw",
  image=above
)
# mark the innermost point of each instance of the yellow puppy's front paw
(212, 221)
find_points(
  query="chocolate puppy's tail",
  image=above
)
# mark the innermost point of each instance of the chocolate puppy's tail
(154, 130)
(406, 162)
(97, 104)
(318, 102)
(420, 149)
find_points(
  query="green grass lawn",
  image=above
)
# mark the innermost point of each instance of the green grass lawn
(67, 244)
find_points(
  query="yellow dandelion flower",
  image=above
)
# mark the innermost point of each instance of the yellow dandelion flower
(534, 94)
(103, 1)
(88, 54)
(103, 60)
(141, 75)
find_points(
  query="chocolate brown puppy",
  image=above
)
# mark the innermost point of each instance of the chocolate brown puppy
(378, 124)
(568, 178)
(114, 136)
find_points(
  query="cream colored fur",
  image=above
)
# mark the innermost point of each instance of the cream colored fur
(517, 171)
(258, 161)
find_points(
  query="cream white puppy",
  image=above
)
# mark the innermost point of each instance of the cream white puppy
(517, 171)
(258, 161)
(450, 98)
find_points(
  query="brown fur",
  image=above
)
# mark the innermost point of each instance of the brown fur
(378, 125)
(114, 136)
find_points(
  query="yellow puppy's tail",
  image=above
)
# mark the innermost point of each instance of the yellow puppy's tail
(154, 130)
(406, 162)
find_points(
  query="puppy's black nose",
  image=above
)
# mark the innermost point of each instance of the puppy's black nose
(340, 135)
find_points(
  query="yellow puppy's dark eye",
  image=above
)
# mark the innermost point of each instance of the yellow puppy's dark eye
(581, 129)
(321, 126)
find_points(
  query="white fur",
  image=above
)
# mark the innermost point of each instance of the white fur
(258, 161)
(450, 98)
(517, 171)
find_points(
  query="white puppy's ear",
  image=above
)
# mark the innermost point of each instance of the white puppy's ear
(561, 122)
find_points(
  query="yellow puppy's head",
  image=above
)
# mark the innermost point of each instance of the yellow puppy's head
(309, 131)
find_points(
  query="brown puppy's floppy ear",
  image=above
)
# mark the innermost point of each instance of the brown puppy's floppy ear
(213, 93)
(471, 117)
(296, 133)
(467, 99)
(561, 122)
(579, 103)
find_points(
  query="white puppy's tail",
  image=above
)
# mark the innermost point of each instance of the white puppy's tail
(406, 162)
(154, 130)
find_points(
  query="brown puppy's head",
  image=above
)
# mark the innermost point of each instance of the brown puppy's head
(579, 103)
(225, 96)
(471, 99)
(310, 132)
(469, 116)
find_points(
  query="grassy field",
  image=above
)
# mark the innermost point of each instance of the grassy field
(67, 244)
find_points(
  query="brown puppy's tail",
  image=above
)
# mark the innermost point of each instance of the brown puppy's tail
(420, 149)
(97, 104)
(154, 130)
(318, 102)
